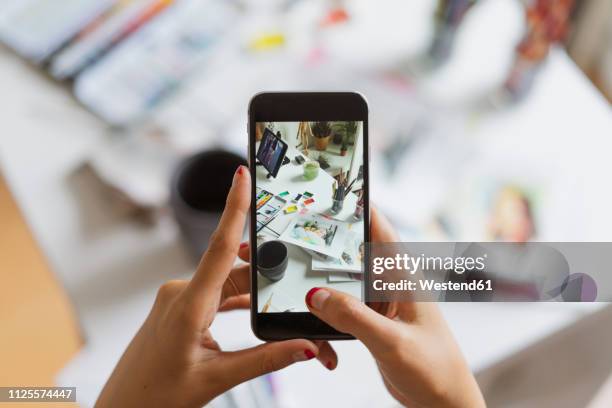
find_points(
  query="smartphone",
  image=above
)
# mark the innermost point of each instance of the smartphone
(310, 218)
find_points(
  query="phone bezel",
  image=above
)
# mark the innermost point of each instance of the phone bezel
(289, 107)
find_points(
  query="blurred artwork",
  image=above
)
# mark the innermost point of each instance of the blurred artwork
(490, 208)
(448, 17)
(547, 24)
(511, 218)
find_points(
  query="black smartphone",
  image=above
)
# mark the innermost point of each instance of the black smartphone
(310, 218)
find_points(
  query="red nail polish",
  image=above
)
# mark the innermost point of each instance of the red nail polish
(244, 245)
(309, 354)
(309, 295)
(239, 170)
(329, 365)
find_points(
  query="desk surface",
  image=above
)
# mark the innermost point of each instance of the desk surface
(39, 326)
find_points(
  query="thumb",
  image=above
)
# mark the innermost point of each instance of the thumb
(247, 364)
(349, 315)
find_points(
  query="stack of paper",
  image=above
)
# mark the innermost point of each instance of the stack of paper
(336, 247)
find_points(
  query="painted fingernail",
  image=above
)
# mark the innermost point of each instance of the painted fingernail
(329, 365)
(309, 354)
(244, 245)
(309, 295)
(239, 170)
(316, 297)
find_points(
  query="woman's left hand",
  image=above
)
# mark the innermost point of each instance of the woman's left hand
(173, 360)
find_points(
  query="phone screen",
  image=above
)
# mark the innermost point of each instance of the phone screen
(309, 198)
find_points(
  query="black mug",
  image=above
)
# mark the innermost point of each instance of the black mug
(272, 260)
(199, 190)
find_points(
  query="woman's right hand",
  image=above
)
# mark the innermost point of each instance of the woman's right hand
(420, 363)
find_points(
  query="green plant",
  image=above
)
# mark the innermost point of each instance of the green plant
(350, 128)
(321, 129)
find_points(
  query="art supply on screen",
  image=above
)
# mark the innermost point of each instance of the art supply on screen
(268, 303)
(262, 197)
(317, 233)
(297, 198)
(309, 201)
(291, 209)
(341, 188)
(268, 206)
(283, 194)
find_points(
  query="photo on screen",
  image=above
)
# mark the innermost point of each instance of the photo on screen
(309, 204)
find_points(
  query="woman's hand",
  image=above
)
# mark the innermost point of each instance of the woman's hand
(420, 363)
(173, 360)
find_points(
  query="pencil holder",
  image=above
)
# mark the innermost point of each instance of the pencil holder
(336, 206)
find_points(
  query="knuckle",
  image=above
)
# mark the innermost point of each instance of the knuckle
(348, 310)
(169, 290)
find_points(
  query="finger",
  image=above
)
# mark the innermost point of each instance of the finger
(243, 365)
(244, 252)
(382, 230)
(237, 283)
(347, 314)
(217, 262)
(327, 355)
(236, 303)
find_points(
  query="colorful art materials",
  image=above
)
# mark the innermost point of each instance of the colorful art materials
(291, 209)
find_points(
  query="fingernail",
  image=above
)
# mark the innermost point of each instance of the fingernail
(244, 245)
(316, 297)
(329, 365)
(309, 354)
(303, 355)
(239, 172)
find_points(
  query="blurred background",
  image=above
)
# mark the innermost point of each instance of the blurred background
(490, 120)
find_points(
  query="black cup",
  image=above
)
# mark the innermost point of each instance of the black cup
(272, 259)
(198, 193)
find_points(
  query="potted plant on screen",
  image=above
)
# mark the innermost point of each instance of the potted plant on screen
(344, 147)
(322, 133)
(350, 129)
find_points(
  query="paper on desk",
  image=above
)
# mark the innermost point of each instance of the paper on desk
(316, 233)
(351, 259)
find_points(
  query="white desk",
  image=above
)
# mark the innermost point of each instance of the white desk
(299, 278)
